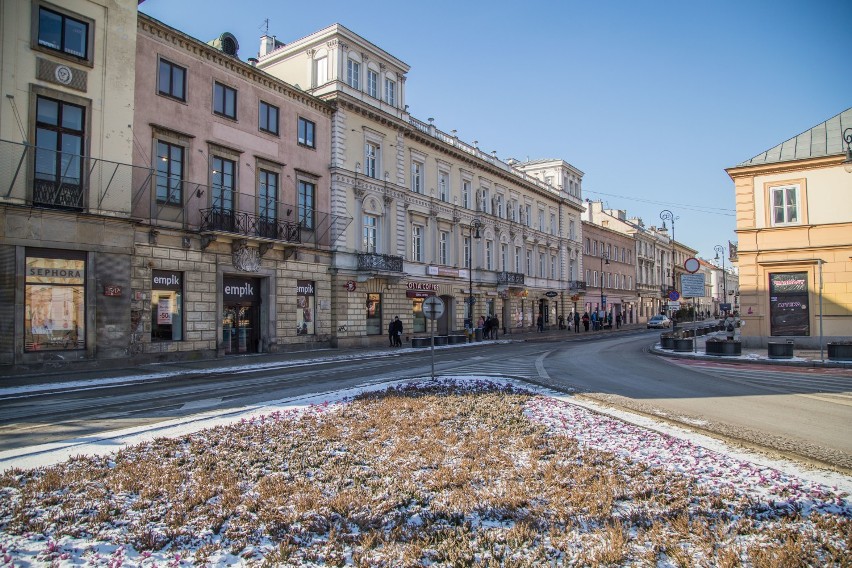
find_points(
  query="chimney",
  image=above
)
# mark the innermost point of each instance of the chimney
(268, 44)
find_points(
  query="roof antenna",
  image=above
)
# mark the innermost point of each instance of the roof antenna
(266, 27)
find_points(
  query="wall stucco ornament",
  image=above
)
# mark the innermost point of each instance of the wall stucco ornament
(246, 259)
(63, 74)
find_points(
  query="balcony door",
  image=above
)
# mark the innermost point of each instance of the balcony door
(224, 180)
(58, 179)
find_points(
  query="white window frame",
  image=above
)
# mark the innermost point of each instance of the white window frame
(321, 70)
(518, 259)
(416, 176)
(372, 83)
(370, 237)
(390, 91)
(467, 251)
(784, 191)
(416, 243)
(443, 247)
(353, 73)
(528, 214)
(443, 185)
(541, 265)
(504, 256)
(529, 263)
(489, 255)
(372, 160)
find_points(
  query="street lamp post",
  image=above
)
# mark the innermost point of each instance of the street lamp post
(847, 137)
(720, 251)
(604, 257)
(667, 215)
(475, 225)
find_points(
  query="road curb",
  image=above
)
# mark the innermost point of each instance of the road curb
(808, 363)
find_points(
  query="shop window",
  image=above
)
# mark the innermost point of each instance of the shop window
(374, 314)
(418, 324)
(166, 306)
(55, 297)
(305, 306)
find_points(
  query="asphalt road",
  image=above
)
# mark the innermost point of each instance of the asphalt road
(798, 413)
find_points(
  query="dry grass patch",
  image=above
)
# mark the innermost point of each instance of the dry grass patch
(445, 476)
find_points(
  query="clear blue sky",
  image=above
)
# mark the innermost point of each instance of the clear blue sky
(651, 100)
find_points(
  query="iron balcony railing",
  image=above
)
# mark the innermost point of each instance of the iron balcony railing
(576, 285)
(218, 219)
(381, 262)
(510, 278)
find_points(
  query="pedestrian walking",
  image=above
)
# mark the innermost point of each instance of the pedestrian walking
(731, 323)
(586, 321)
(397, 338)
(617, 321)
(495, 326)
(577, 323)
(539, 322)
(391, 331)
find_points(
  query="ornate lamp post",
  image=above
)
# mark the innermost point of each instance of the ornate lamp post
(720, 251)
(667, 215)
(604, 259)
(847, 137)
(475, 225)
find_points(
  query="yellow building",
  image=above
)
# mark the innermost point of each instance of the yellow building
(794, 224)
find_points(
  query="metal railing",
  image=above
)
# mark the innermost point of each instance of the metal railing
(510, 278)
(576, 285)
(382, 262)
(217, 219)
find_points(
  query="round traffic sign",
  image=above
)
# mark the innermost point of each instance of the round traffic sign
(433, 307)
(674, 295)
(692, 265)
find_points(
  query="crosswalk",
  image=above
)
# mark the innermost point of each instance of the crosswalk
(520, 366)
(830, 385)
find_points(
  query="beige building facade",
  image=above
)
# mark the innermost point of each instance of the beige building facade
(67, 74)
(794, 228)
(432, 214)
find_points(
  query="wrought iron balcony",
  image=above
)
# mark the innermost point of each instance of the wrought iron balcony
(576, 285)
(250, 225)
(381, 262)
(510, 278)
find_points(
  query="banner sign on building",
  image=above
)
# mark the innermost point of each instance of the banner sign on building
(788, 304)
(692, 285)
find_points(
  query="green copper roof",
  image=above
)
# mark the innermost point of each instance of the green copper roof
(825, 139)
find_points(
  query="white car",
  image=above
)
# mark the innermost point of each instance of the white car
(659, 321)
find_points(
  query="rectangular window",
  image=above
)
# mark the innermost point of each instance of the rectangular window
(306, 133)
(58, 179)
(513, 210)
(443, 247)
(416, 177)
(552, 223)
(305, 306)
(371, 160)
(518, 259)
(529, 263)
(485, 206)
(372, 83)
(467, 251)
(552, 266)
(172, 80)
(267, 119)
(541, 220)
(541, 265)
(572, 230)
(63, 33)
(224, 101)
(166, 305)
(504, 257)
(353, 74)
(267, 206)
(528, 215)
(466, 194)
(169, 173)
(444, 186)
(390, 92)
(224, 183)
(417, 243)
(55, 302)
(321, 71)
(785, 205)
(305, 205)
(371, 231)
(489, 255)
(374, 314)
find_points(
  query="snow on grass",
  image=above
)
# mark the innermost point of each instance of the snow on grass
(442, 473)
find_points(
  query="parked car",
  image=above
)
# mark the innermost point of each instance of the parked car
(659, 321)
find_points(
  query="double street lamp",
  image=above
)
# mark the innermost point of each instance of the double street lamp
(720, 251)
(475, 225)
(667, 215)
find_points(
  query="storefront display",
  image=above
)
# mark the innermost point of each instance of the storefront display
(374, 314)
(788, 304)
(54, 317)
(166, 306)
(241, 315)
(305, 308)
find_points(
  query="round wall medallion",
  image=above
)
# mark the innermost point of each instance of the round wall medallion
(63, 74)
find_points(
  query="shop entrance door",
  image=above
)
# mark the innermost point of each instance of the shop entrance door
(240, 329)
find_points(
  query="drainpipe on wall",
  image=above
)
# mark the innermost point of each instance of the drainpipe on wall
(819, 262)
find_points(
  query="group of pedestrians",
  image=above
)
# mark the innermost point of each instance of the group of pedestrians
(490, 326)
(395, 332)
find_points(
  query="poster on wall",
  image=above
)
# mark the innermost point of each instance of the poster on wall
(305, 306)
(164, 311)
(789, 313)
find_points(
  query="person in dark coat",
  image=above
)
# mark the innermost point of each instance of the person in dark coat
(586, 320)
(576, 322)
(391, 332)
(397, 332)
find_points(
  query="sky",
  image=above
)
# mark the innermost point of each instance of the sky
(651, 100)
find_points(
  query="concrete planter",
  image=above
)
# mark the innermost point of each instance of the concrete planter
(840, 351)
(780, 350)
(683, 345)
(457, 339)
(666, 341)
(724, 348)
(440, 340)
(420, 342)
